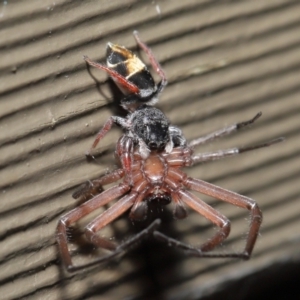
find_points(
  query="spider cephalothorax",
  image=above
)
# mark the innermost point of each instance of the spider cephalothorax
(148, 128)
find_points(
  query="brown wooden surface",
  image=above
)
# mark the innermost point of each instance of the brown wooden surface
(225, 61)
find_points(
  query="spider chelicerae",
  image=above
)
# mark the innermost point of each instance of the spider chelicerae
(151, 153)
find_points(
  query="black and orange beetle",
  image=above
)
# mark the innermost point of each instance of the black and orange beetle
(131, 75)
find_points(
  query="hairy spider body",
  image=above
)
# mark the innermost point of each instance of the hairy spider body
(148, 128)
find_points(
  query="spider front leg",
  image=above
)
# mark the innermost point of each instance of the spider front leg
(106, 128)
(78, 213)
(124, 149)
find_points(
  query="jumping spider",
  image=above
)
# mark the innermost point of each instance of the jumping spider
(151, 153)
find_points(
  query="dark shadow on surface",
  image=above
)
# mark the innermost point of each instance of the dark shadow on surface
(277, 282)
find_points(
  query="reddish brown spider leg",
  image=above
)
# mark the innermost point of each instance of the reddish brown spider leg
(132, 88)
(113, 176)
(139, 209)
(224, 131)
(121, 249)
(209, 213)
(212, 215)
(110, 215)
(78, 213)
(93, 186)
(106, 127)
(107, 217)
(202, 157)
(155, 64)
(124, 151)
(179, 209)
(103, 131)
(237, 200)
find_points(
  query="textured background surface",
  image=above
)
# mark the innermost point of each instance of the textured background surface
(225, 62)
